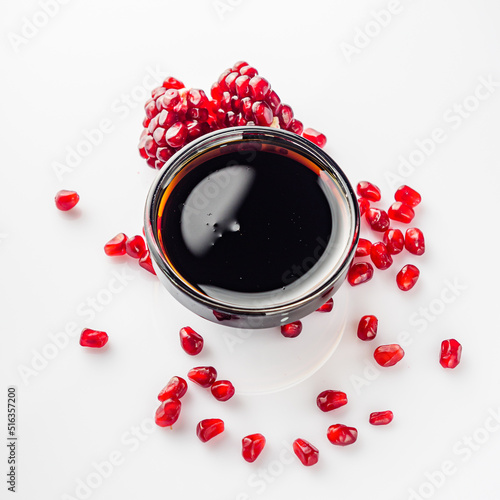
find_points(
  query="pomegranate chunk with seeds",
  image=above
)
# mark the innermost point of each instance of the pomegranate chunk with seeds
(451, 352)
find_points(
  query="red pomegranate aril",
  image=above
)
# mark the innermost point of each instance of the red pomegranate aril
(66, 200)
(414, 241)
(252, 446)
(405, 194)
(378, 219)
(196, 98)
(394, 241)
(116, 246)
(364, 206)
(222, 390)
(451, 352)
(238, 65)
(285, 116)
(170, 99)
(231, 81)
(159, 137)
(314, 136)
(368, 191)
(306, 452)
(175, 388)
(380, 256)
(248, 71)
(262, 113)
(191, 341)
(242, 86)
(216, 91)
(326, 307)
(151, 109)
(173, 83)
(388, 355)
(381, 417)
(166, 119)
(203, 375)
(367, 327)
(360, 273)
(407, 277)
(259, 88)
(342, 435)
(176, 135)
(168, 412)
(135, 246)
(209, 428)
(150, 146)
(145, 263)
(330, 400)
(93, 338)
(296, 127)
(363, 248)
(291, 330)
(274, 102)
(400, 212)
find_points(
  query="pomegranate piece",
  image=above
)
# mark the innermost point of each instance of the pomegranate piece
(378, 219)
(342, 435)
(407, 277)
(209, 428)
(401, 212)
(66, 200)
(262, 113)
(380, 256)
(314, 136)
(203, 375)
(291, 330)
(394, 241)
(116, 245)
(407, 195)
(414, 241)
(306, 452)
(135, 246)
(367, 327)
(363, 248)
(451, 352)
(330, 400)
(145, 263)
(326, 307)
(252, 446)
(359, 273)
(168, 412)
(368, 191)
(191, 341)
(93, 338)
(381, 417)
(175, 389)
(388, 355)
(222, 390)
(364, 206)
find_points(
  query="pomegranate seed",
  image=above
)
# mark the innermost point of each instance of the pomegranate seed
(248, 71)
(242, 86)
(252, 446)
(342, 435)
(414, 241)
(291, 330)
(274, 102)
(381, 417)
(378, 219)
(407, 277)
(401, 212)
(191, 341)
(93, 338)
(296, 127)
(262, 113)
(380, 256)
(330, 400)
(135, 246)
(116, 245)
(285, 116)
(451, 352)
(238, 65)
(176, 135)
(364, 206)
(359, 273)
(259, 88)
(368, 190)
(175, 388)
(209, 428)
(306, 452)
(172, 83)
(203, 375)
(66, 200)
(407, 195)
(145, 263)
(326, 307)
(367, 327)
(170, 99)
(388, 355)
(314, 136)
(168, 412)
(394, 241)
(363, 248)
(196, 98)
(222, 390)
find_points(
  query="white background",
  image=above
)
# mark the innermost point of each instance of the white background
(82, 406)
